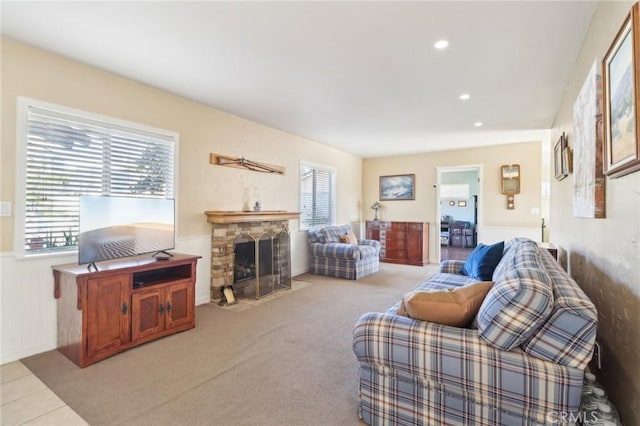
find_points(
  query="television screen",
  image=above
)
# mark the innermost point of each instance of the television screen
(114, 227)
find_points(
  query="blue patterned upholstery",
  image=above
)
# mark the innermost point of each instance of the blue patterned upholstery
(421, 373)
(568, 335)
(328, 256)
(451, 266)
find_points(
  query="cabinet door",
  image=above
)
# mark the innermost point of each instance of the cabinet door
(180, 305)
(414, 245)
(147, 313)
(396, 241)
(108, 317)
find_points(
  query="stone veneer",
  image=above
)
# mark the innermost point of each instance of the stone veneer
(222, 249)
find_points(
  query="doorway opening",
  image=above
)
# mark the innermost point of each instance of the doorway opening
(459, 211)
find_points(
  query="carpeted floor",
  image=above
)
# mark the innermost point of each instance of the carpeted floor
(285, 361)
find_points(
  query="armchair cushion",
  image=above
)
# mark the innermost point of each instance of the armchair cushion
(336, 250)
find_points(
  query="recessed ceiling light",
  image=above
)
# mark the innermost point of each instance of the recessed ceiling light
(441, 44)
(478, 124)
(465, 96)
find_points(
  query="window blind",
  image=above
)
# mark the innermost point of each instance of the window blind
(317, 198)
(68, 156)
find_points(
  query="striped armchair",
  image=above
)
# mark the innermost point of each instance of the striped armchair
(330, 257)
(522, 364)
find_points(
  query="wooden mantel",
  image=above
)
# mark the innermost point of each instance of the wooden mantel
(217, 216)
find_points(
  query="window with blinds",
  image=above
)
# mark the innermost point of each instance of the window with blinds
(69, 154)
(317, 196)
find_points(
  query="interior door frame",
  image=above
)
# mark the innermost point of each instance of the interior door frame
(479, 168)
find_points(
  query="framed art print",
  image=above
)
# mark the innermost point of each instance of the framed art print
(621, 91)
(397, 187)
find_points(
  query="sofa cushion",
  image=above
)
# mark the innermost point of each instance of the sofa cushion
(483, 261)
(451, 266)
(507, 254)
(455, 307)
(515, 308)
(568, 335)
(440, 281)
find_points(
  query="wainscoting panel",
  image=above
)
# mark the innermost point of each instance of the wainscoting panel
(29, 312)
(492, 234)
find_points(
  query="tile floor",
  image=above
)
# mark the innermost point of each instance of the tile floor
(25, 400)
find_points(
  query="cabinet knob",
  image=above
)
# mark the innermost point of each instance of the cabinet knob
(161, 309)
(168, 306)
(124, 308)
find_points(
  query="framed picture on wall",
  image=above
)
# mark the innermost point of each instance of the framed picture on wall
(621, 91)
(560, 170)
(397, 187)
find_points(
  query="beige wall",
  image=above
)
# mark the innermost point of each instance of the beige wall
(603, 255)
(36, 74)
(28, 306)
(424, 166)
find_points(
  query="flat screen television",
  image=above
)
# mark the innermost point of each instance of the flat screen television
(115, 227)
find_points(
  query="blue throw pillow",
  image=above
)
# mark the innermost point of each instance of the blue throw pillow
(483, 261)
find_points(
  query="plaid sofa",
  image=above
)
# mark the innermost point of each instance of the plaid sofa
(522, 363)
(328, 256)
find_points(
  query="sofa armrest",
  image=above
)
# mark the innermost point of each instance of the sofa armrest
(451, 266)
(459, 361)
(335, 250)
(374, 243)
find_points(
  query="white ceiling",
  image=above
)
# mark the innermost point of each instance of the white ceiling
(361, 76)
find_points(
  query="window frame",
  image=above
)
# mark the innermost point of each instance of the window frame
(22, 131)
(334, 196)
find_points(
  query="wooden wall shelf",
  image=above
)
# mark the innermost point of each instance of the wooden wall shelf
(221, 216)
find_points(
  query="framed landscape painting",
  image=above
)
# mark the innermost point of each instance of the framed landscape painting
(621, 72)
(397, 187)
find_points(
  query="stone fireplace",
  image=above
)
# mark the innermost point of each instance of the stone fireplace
(250, 251)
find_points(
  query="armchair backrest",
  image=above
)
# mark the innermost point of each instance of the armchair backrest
(331, 234)
(313, 235)
(328, 234)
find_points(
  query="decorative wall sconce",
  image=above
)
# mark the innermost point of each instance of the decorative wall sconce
(510, 183)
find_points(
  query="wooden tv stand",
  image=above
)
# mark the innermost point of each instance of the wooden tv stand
(125, 303)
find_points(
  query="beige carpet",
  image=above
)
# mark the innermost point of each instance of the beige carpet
(286, 361)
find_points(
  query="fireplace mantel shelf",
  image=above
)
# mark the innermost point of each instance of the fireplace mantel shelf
(222, 216)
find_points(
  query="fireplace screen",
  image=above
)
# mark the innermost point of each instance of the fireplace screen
(261, 265)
